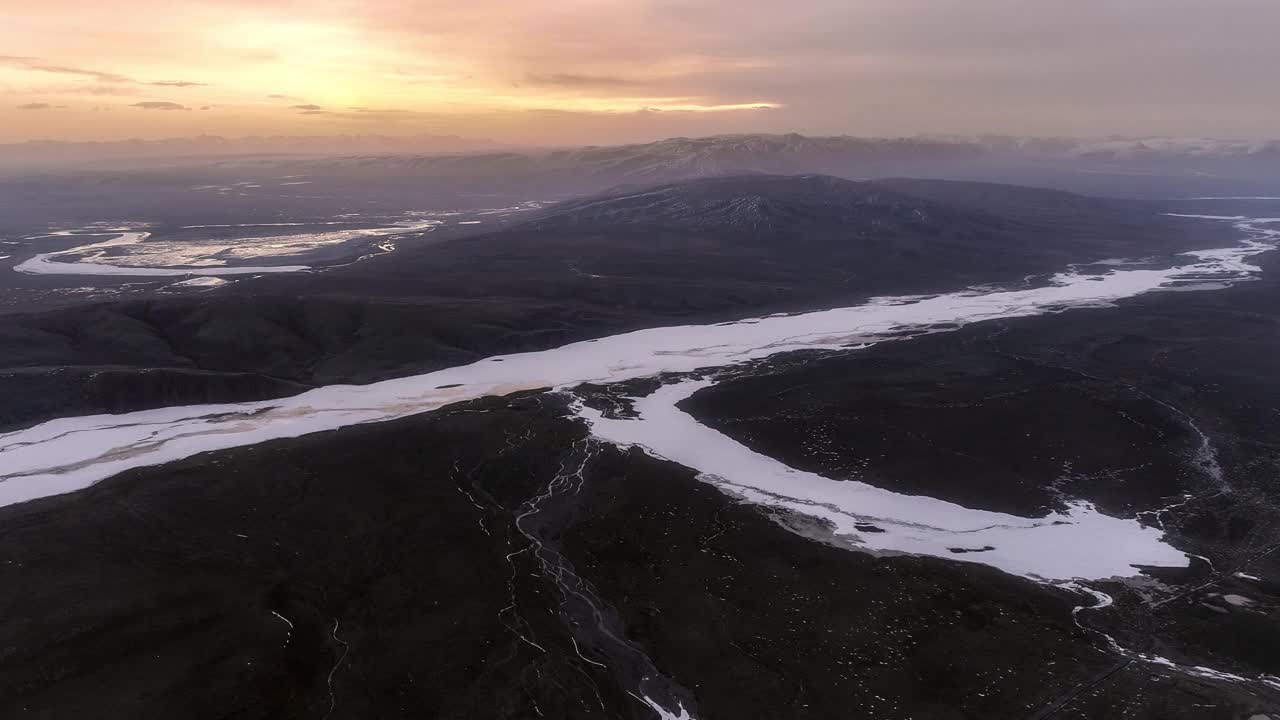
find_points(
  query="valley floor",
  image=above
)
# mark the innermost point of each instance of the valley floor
(492, 559)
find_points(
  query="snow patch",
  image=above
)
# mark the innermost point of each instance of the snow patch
(1080, 543)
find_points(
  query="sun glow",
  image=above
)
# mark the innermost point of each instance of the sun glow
(197, 66)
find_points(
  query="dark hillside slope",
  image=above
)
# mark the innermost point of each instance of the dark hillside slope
(697, 251)
(811, 238)
(765, 204)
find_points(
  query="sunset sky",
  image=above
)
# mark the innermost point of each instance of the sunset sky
(578, 71)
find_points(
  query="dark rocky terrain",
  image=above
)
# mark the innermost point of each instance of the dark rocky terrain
(386, 550)
(1163, 408)
(703, 251)
(490, 559)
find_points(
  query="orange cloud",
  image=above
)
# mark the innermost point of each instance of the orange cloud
(679, 66)
(159, 105)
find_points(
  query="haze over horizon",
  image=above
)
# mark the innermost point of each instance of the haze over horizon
(608, 71)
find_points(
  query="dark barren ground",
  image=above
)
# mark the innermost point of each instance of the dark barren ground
(152, 593)
(706, 251)
(386, 548)
(1168, 399)
(421, 568)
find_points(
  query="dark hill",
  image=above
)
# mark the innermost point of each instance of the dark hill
(768, 204)
(697, 251)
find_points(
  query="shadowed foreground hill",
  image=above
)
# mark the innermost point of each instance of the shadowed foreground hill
(697, 251)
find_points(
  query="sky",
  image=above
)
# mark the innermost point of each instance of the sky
(570, 72)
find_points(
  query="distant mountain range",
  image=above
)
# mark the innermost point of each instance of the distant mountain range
(695, 156)
(49, 152)
(175, 180)
(1120, 148)
(1159, 166)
